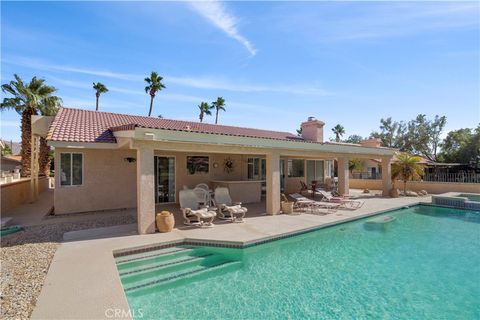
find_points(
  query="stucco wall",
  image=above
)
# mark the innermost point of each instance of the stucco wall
(109, 182)
(430, 187)
(16, 193)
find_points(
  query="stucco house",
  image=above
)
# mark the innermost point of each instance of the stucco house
(109, 161)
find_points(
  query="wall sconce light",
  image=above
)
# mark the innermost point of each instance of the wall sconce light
(129, 159)
(215, 165)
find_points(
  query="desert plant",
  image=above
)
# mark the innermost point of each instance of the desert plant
(406, 168)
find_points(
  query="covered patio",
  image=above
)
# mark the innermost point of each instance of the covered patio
(108, 161)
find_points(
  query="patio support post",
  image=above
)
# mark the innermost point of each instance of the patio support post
(343, 176)
(273, 183)
(386, 176)
(34, 167)
(145, 190)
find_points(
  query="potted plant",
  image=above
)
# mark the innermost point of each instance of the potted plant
(165, 221)
(287, 206)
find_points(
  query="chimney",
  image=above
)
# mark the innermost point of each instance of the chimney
(312, 130)
(372, 143)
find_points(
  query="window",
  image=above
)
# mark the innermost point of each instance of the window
(253, 171)
(296, 168)
(315, 171)
(71, 169)
(329, 168)
(197, 164)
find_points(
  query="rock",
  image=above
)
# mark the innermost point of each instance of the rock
(394, 193)
(366, 191)
(423, 192)
(411, 193)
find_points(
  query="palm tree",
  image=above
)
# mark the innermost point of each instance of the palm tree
(154, 85)
(99, 89)
(204, 110)
(30, 99)
(339, 131)
(218, 105)
(407, 167)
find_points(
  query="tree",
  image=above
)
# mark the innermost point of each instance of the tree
(406, 168)
(355, 164)
(218, 105)
(299, 132)
(423, 136)
(204, 110)
(154, 85)
(391, 133)
(419, 136)
(339, 131)
(354, 138)
(6, 150)
(99, 89)
(461, 146)
(29, 99)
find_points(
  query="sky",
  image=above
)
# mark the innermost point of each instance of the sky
(275, 63)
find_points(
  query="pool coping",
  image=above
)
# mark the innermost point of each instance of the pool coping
(247, 244)
(96, 288)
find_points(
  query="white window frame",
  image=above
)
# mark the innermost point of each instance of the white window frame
(304, 168)
(71, 169)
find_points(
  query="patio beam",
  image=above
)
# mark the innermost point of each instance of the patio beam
(273, 183)
(145, 190)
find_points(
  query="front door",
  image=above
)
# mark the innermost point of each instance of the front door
(164, 179)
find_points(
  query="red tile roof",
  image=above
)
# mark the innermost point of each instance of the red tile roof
(77, 125)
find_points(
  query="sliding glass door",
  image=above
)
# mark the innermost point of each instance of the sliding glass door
(315, 171)
(164, 179)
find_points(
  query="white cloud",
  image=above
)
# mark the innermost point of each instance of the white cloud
(198, 82)
(217, 14)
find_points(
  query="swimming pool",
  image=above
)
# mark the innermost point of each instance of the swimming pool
(424, 264)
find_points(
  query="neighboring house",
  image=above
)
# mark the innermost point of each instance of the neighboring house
(10, 163)
(109, 161)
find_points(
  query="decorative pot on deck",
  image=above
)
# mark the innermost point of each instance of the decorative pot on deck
(287, 207)
(165, 221)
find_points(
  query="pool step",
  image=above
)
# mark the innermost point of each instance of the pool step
(176, 278)
(151, 271)
(154, 257)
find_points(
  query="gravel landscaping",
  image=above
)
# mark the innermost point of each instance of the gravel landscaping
(26, 255)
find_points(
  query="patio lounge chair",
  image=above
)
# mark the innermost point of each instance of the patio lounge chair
(227, 209)
(312, 205)
(193, 215)
(346, 203)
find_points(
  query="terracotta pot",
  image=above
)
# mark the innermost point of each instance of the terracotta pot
(287, 207)
(165, 221)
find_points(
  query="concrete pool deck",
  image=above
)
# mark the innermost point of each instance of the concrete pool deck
(83, 282)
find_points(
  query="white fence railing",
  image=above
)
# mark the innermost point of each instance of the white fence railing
(452, 177)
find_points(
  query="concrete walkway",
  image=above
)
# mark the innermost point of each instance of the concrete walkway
(83, 281)
(29, 214)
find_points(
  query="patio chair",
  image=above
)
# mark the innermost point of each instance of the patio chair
(347, 203)
(304, 188)
(302, 202)
(203, 196)
(193, 214)
(227, 209)
(203, 186)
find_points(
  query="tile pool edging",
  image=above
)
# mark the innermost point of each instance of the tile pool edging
(243, 245)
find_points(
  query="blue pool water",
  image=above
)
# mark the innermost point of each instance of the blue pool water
(425, 264)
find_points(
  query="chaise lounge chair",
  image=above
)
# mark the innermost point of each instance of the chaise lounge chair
(227, 209)
(346, 203)
(193, 215)
(302, 202)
